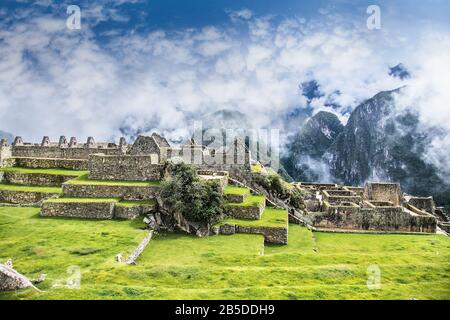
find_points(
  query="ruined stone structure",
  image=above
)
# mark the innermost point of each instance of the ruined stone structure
(376, 207)
(121, 181)
(115, 157)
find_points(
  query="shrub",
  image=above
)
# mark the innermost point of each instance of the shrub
(196, 200)
(275, 185)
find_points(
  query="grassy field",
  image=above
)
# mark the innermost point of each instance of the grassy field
(235, 190)
(63, 172)
(84, 179)
(251, 201)
(82, 200)
(16, 187)
(127, 203)
(175, 266)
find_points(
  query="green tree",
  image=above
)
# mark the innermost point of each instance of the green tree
(196, 200)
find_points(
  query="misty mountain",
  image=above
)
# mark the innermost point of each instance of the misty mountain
(7, 136)
(377, 143)
(218, 122)
(225, 119)
(307, 147)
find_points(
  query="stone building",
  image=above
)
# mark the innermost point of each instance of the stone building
(376, 207)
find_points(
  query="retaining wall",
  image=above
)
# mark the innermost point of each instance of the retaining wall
(37, 151)
(46, 163)
(128, 213)
(36, 179)
(245, 212)
(381, 218)
(128, 168)
(85, 210)
(24, 197)
(109, 191)
(271, 234)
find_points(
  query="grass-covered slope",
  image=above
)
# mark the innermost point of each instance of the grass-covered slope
(177, 266)
(229, 189)
(63, 172)
(84, 179)
(22, 188)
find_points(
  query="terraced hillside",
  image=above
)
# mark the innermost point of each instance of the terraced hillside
(21, 185)
(248, 213)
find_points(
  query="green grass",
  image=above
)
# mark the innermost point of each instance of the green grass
(82, 200)
(257, 168)
(236, 190)
(270, 218)
(14, 187)
(63, 172)
(178, 266)
(85, 180)
(150, 202)
(250, 201)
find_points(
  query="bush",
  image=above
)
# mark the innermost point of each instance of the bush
(196, 200)
(275, 185)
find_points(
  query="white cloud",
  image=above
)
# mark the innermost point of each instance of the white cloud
(54, 82)
(428, 94)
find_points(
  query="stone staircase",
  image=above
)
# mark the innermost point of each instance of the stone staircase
(247, 213)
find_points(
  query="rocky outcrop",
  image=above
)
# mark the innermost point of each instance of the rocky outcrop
(170, 220)
(11, 280)
(140, 248)
(306, 148)
(380, 142)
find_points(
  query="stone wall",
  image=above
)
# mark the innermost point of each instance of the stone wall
(5, 152)
(384, 192)
(380, 218)
(128, 213)
(422, 203)
(145, 145)
(126, 168)
(37, 151)
(245, 212)
(271, 234)
(110, 191)
(24, 197)
(32, 179)
(236, 198)
(85, 210)
(339, 196)
(46, 163)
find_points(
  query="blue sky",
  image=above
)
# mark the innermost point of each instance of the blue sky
(145, 15)
(156, 65)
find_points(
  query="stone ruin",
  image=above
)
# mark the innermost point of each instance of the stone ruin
(375, 207)
(155, 148)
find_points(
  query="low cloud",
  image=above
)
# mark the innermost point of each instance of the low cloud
(55, 81)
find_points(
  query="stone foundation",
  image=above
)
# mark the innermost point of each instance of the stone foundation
(36, 179)
(39, 151)
(46, 163)
(271, 234)
(85, 210)
(125, 168)
(236, 198)
(381, 218)
(132, 212)
(245, 212)
(24, 197)
(110, 191)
